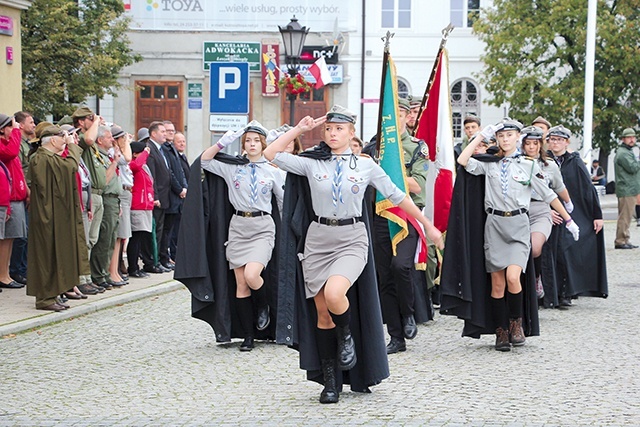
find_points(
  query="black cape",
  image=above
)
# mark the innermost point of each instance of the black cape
(465, 284)
(576, 268)
(201, 264)
(297, 316)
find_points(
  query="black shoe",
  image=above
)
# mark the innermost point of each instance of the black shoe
(118, 284)
(11, 285)
(153, 269)
(263, 319)
(396, 345)
(138, 274)
(167, 266)
(565, 302)
(247, 344)
(105, 285)
(409, 328)
(330, 393)
(163, 269)
(626, 246)
(346, 349)
(87, 289)
(19, 278)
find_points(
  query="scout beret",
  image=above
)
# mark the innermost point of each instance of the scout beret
(628, 132)
(404, 104)
(339, 114)
(255, 126)
(51, 130)
(66, 120)
(276, 133)
(137, 146)
(532, 132)
(471, 119)
(117, 132)
(81, 112)
(143, 134)
(560, 131)
(542, 120)
(5, 121)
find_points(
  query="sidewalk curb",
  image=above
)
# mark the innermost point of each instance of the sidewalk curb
(92, 307)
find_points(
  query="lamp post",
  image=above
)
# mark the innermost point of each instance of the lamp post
(293, 36)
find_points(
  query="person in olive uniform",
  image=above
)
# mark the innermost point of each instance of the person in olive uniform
(507, 241)
(627, 170)
(337, 245)
(397, 293)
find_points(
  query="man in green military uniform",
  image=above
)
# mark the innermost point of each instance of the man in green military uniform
(627, 170)
(395, 272)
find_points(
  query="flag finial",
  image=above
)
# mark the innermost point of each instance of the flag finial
(386, 39)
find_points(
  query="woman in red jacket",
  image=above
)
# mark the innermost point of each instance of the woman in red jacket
(141, 207)
(16, 225)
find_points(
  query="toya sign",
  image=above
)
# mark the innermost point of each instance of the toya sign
(232, 52)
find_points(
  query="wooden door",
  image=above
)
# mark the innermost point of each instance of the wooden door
(159, 100)
(314, 104)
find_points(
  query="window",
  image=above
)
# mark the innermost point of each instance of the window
(396, 14)
(465, 101)
(464, 12)
(403, 88)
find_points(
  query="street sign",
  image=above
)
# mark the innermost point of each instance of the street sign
(195, 103)
(231, 52)
(225, 122)
(229, 88)
(194, 90)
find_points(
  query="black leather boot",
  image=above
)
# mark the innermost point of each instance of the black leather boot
(262, 316)
(346, 348)
(330, 392)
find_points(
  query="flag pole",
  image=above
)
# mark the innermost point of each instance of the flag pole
(445, 35)
(386, 39)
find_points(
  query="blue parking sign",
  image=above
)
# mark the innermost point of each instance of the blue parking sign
(229, 88)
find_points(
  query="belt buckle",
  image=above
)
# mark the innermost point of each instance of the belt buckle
(507, 213)
(246, 214)
(333, 222)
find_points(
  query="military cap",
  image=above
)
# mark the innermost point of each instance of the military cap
(628, 132)
(143, 134)
(532, 132)
(81, 113)
(560, 131)
(414, 101)
(117, 132)
(509, 124)
(66, 120)
(5, 121)
(255, 126)
(137, 146)
(542, 120)
(404, 104)
(471, 119)
(38, 131)
(276, 133)
(70, 129)
(51, 130)
(339, 114)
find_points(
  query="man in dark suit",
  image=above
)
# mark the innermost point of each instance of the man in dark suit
(159, 166)
(180, 145)
(177, 194)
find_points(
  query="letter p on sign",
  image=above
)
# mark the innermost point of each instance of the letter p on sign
(229, 88)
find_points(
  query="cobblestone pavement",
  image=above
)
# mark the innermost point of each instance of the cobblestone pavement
(147, 363)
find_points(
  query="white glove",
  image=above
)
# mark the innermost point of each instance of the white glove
(490, 131)
(573, 229)
(568, 206)
(229, 137)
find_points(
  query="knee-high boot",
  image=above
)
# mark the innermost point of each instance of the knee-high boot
(245, 313)
(327, 350)
(346, 347)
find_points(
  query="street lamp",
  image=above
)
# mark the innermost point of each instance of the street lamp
(293, 36)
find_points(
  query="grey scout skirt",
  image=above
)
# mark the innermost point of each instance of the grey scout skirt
(250, 240)
(540, 218)
(333, 251)
(506, 242)
(124, 225)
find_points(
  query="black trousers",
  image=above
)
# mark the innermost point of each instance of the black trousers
(394, 274)
(149, 254)
(137, 241)
(163, 249)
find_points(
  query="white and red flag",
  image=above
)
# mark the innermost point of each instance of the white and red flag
(320, 72)
(435, 127)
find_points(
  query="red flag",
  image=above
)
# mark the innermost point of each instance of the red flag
(320, 72)
(436, 129)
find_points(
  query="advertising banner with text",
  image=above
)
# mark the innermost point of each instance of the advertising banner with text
(238, 15)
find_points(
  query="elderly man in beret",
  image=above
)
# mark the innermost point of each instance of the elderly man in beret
(627, 169)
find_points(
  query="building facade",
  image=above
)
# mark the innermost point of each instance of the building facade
(11, 51)
(178, 38)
